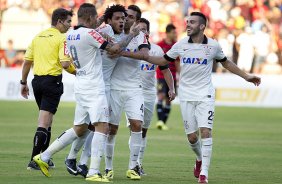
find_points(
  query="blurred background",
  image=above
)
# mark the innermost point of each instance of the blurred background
(249, 31)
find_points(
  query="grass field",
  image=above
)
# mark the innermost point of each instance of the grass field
(247, 148)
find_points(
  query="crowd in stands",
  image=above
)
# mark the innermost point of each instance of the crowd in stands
(249, 31)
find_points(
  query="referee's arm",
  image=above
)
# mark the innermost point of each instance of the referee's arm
(25, 71)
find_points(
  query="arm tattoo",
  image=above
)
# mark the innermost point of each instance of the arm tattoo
(125, 41)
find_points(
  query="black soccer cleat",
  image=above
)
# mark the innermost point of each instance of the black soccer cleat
(71, 166)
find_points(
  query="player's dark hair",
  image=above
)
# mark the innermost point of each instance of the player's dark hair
(86, 10)
(110, 10)
(60, 13)
(169, 28)
(143, 20)
(203, 18)
(136, 9)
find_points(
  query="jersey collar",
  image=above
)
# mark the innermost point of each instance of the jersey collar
(78, 26)
(205, 41)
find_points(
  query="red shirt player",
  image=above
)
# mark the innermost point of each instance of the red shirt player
(163, 110)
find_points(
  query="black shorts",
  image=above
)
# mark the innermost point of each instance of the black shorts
(47, 91)
(162, 87)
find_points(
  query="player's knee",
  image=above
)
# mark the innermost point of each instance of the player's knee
(80, 130)
(136, 126)
(192, 138)
(113, 129)
(205, 132)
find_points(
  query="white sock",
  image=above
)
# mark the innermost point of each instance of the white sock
(142, 150)
(135, 144)
(97, 152)
(196, 147)
(206, 158)
(60, 143)
(86, 151)
(76, 146)
(109, 151)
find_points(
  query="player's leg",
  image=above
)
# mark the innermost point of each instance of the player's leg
(71, 158)
(79, 129)
(191, 129)
(116, 105)
(148, 115)
(100, 116)
(47, 92)
(134, 108)
(205, 115)
(161, 95)
(82, 168)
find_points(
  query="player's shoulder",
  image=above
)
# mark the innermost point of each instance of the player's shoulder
(106, 28)
(156, 47)
(181, 41)
(212, 42)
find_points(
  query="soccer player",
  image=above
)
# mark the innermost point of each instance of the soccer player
(47, 54)
(114, 17)
(148, 78)
(162, 87)
(83, 43)
(196, 92)
(126, 94)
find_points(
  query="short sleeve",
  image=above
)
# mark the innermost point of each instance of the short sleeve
(173, 53)
(29, 52)
(106, 29)
(219, 56)
(95, 39)
(63, 51)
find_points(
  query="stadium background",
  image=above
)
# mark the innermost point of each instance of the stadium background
(247, 140)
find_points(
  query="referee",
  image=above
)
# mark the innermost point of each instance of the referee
(48, 56)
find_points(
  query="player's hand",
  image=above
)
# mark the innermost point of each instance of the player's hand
(113, 55)
(135, 29)
(171, 95)
(253, 79)
(25, 91)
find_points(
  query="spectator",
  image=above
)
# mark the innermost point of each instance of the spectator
(10, 53)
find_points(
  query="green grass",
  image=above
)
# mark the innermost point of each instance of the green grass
(247, 147)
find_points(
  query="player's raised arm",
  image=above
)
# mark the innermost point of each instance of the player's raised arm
(114, 48)
(229, 65)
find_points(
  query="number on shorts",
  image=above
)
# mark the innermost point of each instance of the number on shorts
(211, 115)
(141, 108)
(74, 56)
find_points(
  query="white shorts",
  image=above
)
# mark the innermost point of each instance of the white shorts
(197, 114)
(148, 114)
(95, 110)
(132, 102)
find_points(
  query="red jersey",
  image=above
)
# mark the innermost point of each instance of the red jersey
(166, 47)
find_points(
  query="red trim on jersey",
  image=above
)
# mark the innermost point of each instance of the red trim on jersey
(97, 36)
(66, 52)
(166, 47)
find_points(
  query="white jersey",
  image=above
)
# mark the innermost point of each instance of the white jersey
(83, 45)
(148, 71)
(126, 74)
(107, 63)
(196, 61)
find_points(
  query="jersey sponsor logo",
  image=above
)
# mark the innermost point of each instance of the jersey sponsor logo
(148, 67)
(200, 61)
(74, 37)
(97, 36)
(130, 50)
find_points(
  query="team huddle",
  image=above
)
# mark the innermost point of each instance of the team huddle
(115, 71)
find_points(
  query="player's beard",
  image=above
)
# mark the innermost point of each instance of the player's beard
(193, 32)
